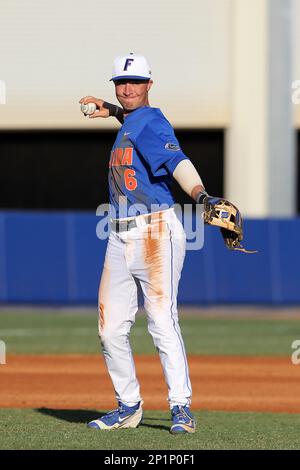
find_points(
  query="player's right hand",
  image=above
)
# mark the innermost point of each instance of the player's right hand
(100, 111)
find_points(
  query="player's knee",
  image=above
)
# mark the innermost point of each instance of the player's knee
(110, 335)
(106, 341)
(164, 329)
(104, 334)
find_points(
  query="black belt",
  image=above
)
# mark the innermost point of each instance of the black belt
(125, 225)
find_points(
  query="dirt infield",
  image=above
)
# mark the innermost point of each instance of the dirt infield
(219, 383)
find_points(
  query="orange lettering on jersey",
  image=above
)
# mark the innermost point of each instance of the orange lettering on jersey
(130, 181)
(115, 157)
(127, 157)
(111, 160)
(119, 155)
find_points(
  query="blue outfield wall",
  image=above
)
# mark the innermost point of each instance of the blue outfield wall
(57, 258)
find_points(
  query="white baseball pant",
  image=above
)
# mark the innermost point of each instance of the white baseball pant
(151, 255)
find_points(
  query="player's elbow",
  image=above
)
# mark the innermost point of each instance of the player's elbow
(188, 178)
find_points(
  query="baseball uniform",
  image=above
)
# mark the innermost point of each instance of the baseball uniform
(150, 254)
(146, 250)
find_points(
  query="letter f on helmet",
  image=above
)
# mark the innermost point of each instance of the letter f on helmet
(127, 63)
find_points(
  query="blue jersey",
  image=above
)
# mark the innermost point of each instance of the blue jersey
(142, 161)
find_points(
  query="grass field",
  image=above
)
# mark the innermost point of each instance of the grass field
(50, 332)
(65, 429)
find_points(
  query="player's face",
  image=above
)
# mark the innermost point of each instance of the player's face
(132, 94)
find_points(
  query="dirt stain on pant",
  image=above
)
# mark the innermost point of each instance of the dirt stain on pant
(154, 256)
(103, 296)
(101, 317)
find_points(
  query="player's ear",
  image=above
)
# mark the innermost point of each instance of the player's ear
(150, 83)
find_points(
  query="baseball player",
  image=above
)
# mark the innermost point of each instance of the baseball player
(146, 246)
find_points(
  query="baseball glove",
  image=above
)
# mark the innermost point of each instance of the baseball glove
(223, 214)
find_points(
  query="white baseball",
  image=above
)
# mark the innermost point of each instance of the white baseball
(89, 108)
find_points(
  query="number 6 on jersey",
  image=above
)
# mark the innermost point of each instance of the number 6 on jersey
(130, 181)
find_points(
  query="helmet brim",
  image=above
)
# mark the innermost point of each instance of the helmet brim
(129, 77)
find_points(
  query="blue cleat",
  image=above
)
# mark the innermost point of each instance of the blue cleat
(123, 417)
(183, 420)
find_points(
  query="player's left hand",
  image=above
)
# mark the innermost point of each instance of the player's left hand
(100, 111)
(223, 214)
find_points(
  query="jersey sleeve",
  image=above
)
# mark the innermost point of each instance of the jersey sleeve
(158, 145)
